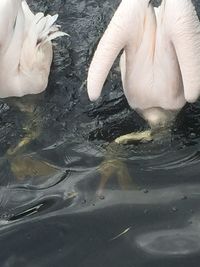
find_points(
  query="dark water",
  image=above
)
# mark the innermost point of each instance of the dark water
(52, 211)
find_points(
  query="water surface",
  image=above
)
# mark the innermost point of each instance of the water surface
(53, 210)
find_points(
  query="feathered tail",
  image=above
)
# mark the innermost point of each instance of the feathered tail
(40, 26)
(25, 40)
(39, 30)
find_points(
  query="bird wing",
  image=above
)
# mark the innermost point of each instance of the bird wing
(125, 25)
(8, 13)
(184, 28)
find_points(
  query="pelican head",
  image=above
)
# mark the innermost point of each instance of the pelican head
(25, 48)
(160, 64)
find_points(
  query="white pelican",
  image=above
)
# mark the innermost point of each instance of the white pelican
(25, 48)
(25, 60)
(160, 65)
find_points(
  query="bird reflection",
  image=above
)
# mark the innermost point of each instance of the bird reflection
(22, 163)
(113, 166)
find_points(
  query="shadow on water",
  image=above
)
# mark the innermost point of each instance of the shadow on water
(52, 212)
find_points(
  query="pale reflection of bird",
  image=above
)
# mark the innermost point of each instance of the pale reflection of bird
(160, 65)
(25, 58)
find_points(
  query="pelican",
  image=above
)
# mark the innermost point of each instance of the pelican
(25, 58)
(160, 64)
(25, 48)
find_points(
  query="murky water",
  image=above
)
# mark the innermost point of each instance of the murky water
(54, 208)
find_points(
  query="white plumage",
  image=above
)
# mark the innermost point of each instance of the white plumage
(160, 66)
(25, 48)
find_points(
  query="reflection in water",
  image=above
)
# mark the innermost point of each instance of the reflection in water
(54, 208)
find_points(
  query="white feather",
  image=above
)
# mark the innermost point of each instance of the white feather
(25, 41)
(160, 66)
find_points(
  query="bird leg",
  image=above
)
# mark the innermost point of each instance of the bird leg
(22, 165)
(32, 129)
(160, 122)
(114, 168)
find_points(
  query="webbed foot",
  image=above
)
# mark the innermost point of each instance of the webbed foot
(31, 135)
(144, 136)
(27, 166)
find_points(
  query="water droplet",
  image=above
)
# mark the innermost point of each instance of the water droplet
(184, 198)
(146, 191)
(193, 135)
(83, 201)
(174, 209)
(146, 211)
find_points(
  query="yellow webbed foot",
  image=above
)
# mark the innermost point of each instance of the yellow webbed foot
(144, 136)
(32, 126)
(25, 141)
(27, 166)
